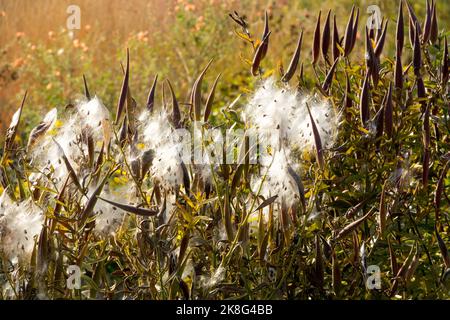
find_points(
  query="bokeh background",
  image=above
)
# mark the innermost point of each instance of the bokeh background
(173, 39)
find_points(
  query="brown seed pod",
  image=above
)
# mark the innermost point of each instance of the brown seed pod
(329, 78)
(417, 58)
(176, 114)
(352, 226)
(388, 113)
(364, 101)
(317, 141)
(379, 117)
(86, 89)
(210, 100)
(392, 258)
(132, 209)
(382, 211)
(355, 30)
(372, 62)
(398, 72)
(300, 187)
(124, 90)
(265, 44)
(196, 96)
(90, 205)
(427, 23)
(316, 41)
(439, 190)
(186, 180)
(445, 64)
(294, 61)
(400, 31)
(123, 133)
(336, 40)
(266, 203)
(426, 146)
(381, 41)
(421, 93)
(258, 57)
(348, 37)
(151, 95)
(434, 25)
(442, 248)
(326, 38)
(413, 21)
(348, 103)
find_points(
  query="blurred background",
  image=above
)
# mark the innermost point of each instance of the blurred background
(174, 39)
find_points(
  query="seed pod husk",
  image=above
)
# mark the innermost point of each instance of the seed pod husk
(336, 39)
(265, 45)
(348, 103)
(400, 31)
(364, 101)
(210, 100)
(442, 248)
(439, 190)
(316, 41)
(427, 24)
(294, 61)
(382, 211)
(412, 24)
(379, 117)
(388, 113)
(417, 59)
(434, 25)
(123, 91)
(326, 38)
(151, 95)
(381, 41)
(445, 64)
(398, 73)
(196, 96)
(329, 78)
(132, 209)
(348, 37)
(186, 180)
(258, 57)
(176, 115)
(317, 140)
(352, 226)
(86, 89)
(355, 30)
